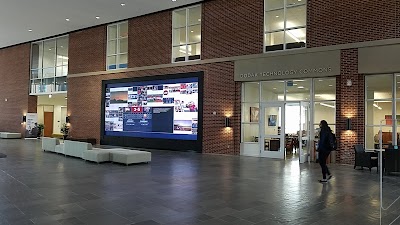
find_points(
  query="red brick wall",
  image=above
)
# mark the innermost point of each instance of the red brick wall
(87, 50)
(84, 104)
(150, 40)
(350, 104)
(14, 86)
(332, 22)
(232, 27)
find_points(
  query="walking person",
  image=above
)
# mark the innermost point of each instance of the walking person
(324, 149)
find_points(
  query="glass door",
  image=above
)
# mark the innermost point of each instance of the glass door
(304, 133)
(272, 129)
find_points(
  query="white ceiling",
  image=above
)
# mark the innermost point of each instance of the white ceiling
(48, 17)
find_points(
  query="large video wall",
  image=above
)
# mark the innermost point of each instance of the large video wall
(167, 109)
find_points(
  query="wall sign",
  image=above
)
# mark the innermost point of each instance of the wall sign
(315, 64)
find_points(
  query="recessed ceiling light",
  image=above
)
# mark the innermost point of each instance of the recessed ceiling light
(330, 85)
(30, 30)
(299, 0)
(276, 16)
(122, 4)
(320, 80)
(294, 84)
(67, 19)
(191, 31)
(174, 0)
(199, 20)
(49, 49)
(50, 95)
(97, 17)
(274, 88)
(300, 87)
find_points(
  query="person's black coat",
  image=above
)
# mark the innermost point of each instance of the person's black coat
(324, 144)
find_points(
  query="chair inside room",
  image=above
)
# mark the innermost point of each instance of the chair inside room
(364, 159)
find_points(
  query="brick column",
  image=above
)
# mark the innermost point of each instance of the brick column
(350, 104)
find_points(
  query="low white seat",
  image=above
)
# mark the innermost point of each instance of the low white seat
(9, 135)
(96, 155)
(130, 156)
(49, 144)
(76, 148)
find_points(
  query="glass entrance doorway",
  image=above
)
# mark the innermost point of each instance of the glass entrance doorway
(280, 118)
(297, 131)
(285, 131)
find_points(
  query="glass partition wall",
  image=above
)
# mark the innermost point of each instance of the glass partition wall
(302, 103)
(382, 98)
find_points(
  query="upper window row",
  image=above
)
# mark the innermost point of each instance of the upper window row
(49, 65)
(117, 46)
(284, 24)
(284, 28)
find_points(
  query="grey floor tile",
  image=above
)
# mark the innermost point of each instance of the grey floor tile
(148, 222)
(180, 188)
(103, 219)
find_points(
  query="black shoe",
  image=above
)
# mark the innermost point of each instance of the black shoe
(323, 181)
(330, 177)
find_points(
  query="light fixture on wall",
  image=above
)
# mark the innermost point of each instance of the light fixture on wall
(227, 122)
(23, 119)
(377, 106)
(67, 119)
(327, 105)
(348, 124)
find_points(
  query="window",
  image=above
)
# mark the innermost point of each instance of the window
(284, 24)
(186, 34)
(49, 65)
(325, 102)
(381, 106)
(117, 46)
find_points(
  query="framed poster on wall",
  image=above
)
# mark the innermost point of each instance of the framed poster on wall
(254, 114)
(272, 120)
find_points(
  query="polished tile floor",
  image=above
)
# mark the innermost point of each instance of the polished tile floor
(183, 188)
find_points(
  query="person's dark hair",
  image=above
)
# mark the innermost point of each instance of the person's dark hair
(324, 125)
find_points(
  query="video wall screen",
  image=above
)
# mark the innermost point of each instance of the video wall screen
(153, 109)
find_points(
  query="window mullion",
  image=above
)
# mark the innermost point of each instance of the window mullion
(117, 46)
(394, 133)
(284, 24)
(187, 35)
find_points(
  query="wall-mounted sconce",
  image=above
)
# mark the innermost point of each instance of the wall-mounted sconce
(348, 124)
(227, 122)
(24, 119)
(67, 119)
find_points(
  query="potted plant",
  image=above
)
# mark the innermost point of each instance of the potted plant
(65, 130)
(40, 128)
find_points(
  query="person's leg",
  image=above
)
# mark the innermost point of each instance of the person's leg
(322, 163)
(327, 170)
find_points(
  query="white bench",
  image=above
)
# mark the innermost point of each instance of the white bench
(130, 156)
(49, 144)
(9, 135)
(99, 154)
(75, 148)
